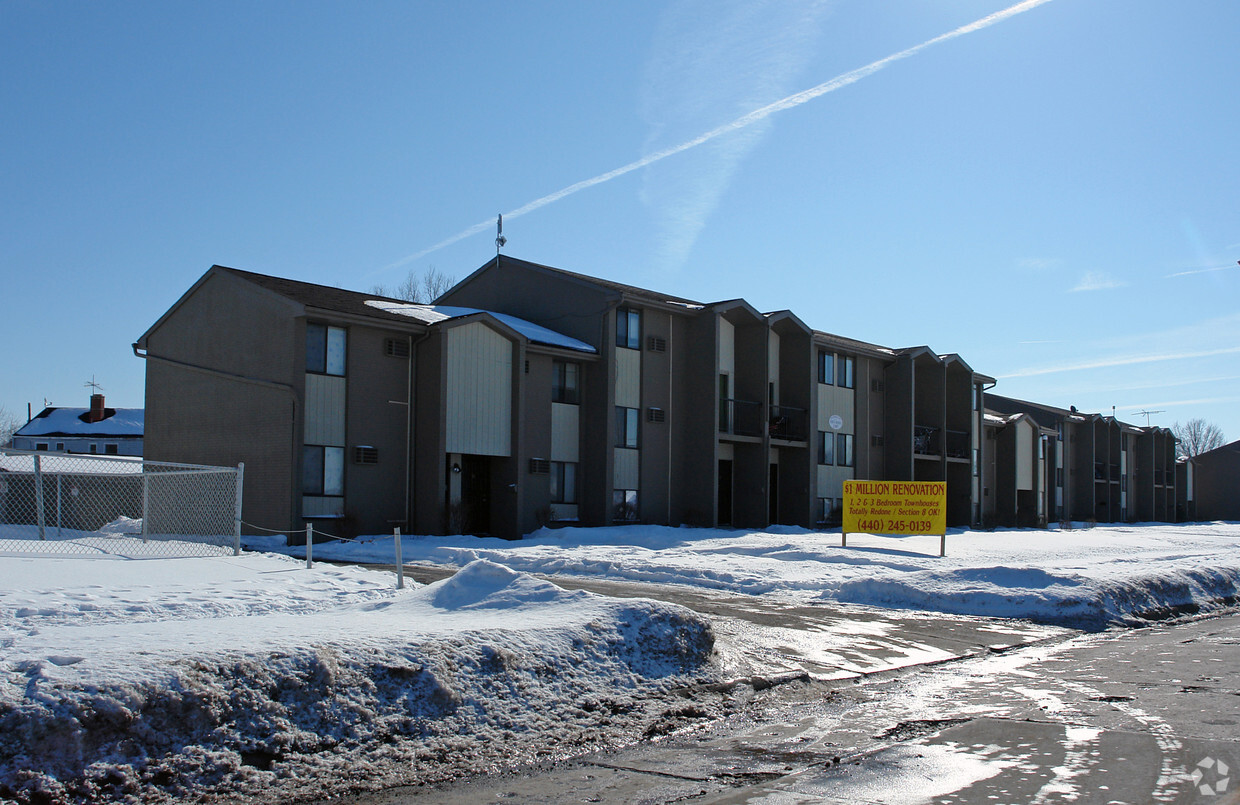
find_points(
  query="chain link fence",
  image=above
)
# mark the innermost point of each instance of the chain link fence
(69, 504)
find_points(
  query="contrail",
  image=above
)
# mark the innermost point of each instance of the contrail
(741, 122)
(1106, 363)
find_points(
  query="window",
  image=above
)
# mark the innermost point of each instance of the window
(977, 463)
(626, 426)
(60, 447)
(322, 470)
(564, 382)
(826, 448)
(624, 505)
(844, 373)
(110, 449)
(826, 367)
(1059, 476)
(94, 448)
(563, 482)
(827, 513)
(628, 328)
(43, 446)
(325, 349)
(843, 450)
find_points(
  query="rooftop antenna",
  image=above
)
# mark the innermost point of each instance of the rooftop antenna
(500, 240)
(93, 386)
(1147, 415)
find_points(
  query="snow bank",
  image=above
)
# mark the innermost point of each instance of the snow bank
(1087, 577)
(165, 679)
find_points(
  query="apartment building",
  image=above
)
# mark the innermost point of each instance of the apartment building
(1050, 464)
(357, 413)
(720, 414)
(530, 395)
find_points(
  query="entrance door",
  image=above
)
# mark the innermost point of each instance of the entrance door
(724, 516)
(476, 495)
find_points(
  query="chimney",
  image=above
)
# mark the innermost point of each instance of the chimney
(96, 409)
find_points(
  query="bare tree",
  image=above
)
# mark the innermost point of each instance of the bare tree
(1196, 436)
(9, 423)
(418, 288)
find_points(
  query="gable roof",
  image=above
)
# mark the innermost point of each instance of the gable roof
(628, 291)
(433, 314)
(117, 422)
(322, 297)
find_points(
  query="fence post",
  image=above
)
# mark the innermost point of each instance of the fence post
(237, 510)
(943, 544)
(309, 545)
(38, 496)
(400, 565)
(146, 503)
(59, 485)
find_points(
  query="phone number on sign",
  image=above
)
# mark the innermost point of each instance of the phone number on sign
(879, 526)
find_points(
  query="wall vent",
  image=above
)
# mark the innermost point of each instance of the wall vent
(656, 415)
(876, 385)
(365, 454)
(540, 466)
(656, 344)
(396, 347)
(876, 440)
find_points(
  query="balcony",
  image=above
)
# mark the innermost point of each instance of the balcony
(740, 417)
(926, 441)
(788, 423)
(958, 444)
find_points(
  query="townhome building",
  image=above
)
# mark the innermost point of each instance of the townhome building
(720, 414)
(1051, 464)
(527, 395)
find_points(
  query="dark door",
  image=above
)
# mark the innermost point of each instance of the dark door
(476, 494)
(773, 495)
(724, 516)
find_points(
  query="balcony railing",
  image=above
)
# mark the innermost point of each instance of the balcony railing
(958, 444)
(926, 441)
(788, 423)
(740, 417)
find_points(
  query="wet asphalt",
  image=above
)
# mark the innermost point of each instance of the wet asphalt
(859, 705)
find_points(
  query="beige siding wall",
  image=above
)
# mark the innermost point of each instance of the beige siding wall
(1025, 440)
(627, 472)
(727, 347)
(629, 379)
(772, 362)
(479, 391)
(325, 410)
(565, 432)
(835, 400)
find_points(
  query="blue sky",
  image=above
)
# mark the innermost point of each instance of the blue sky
(1052, 195)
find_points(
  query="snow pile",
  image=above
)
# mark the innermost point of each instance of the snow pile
(167, 679)
(1086, 577)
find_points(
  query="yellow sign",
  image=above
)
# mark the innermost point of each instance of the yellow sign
(895, 507)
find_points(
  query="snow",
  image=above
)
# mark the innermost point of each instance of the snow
(246, 676)
(1084, 577)
(431, 314)
(69, 421)
(161, 678)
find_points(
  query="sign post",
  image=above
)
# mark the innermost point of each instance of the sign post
(896, 507)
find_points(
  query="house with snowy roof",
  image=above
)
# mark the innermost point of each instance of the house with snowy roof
(96, 429)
